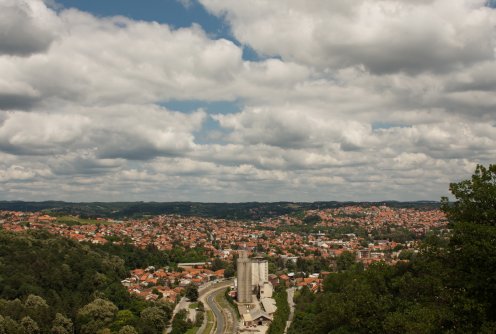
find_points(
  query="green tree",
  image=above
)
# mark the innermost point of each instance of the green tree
(62, 325)
(475, 198)
(345, 261)
(158, 293)
(192, 292)
(35, 302)
(200, 316)
(10, 326)
(153, 319)
(472, 248)
(12, 308)
(30, 326)
(62, 273)
(104, 331)
(96, 316)
(406, 255)
(312, 219)
(37, 308)
(281, 316)
(230, 271)
(124, 318)
(217, 264)
(290, 265)
(180, 323)
(128, 330)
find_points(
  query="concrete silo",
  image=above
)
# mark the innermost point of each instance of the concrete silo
(243, 267)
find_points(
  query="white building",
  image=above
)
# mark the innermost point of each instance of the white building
(259, 271)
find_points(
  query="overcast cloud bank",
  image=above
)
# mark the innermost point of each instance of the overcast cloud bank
(350, 100)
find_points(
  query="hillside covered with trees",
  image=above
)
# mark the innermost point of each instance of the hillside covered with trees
(49, 284)
(448, 287)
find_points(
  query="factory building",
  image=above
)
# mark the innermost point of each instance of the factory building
(255, 303)
(259, 272)
(244, 266)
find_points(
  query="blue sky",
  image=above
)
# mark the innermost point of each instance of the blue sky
(221, 100)
(170, 12)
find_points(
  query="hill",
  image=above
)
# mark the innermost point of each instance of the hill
(243, 211)
(49, 284)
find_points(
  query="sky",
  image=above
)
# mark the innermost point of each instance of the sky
(234, 101)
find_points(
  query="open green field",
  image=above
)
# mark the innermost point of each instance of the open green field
(72, 220)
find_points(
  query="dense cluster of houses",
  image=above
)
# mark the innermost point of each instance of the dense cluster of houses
(370, 218)
(222, 238)
(165, 284)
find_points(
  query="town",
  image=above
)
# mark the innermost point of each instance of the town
(290, 251)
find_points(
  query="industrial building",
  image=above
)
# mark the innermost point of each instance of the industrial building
(255, 303)
(244, 277)
(259, 272)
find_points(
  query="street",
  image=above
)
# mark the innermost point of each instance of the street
(219, 316)
(207, 296)
(291, 304)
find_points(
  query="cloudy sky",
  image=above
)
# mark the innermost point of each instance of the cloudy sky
(260, 100)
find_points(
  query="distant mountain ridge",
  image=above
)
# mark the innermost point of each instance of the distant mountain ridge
(243, 211)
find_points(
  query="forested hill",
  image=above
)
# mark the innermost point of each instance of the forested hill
(50, 284)
(248, 211)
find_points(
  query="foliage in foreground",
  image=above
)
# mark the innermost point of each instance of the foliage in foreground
(449, 287)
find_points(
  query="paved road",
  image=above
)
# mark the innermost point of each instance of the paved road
(207, 296)
(217, 311)
(291, 303)
(183, 304)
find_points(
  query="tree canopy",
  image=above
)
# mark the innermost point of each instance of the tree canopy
(192, 292)
(448, 287)
(50, 284)
(475, 198)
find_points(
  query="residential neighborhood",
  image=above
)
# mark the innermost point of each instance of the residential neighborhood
(285, 240)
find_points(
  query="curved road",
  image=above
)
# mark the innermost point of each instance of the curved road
(217, 311)
(223, 321)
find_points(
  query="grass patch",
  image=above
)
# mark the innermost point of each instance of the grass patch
(221, 300)
(210, 322)
(72, 220)
(230, 300)
(193, 306)
(193, 330)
